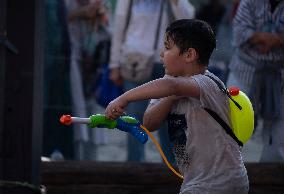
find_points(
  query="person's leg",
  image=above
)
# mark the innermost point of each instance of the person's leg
(136, 109)
(273, 135)
(79, 150)
(273, 141)
(166, 145)
(81, 133)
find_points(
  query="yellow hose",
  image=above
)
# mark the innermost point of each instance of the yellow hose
(161, 152)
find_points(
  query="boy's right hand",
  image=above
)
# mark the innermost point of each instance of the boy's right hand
(115, 108)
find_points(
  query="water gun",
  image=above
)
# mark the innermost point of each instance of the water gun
(123, 123)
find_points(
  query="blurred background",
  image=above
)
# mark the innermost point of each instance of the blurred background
(54, 55)
(78, 35)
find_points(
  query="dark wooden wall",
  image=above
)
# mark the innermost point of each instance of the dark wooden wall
(21, 92)
(132, 178)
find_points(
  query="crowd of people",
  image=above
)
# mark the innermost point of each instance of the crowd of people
(82, 36)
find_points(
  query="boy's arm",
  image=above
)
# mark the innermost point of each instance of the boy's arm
(156, 113)
(158, 88)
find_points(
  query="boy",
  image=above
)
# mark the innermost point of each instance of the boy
(208, 158)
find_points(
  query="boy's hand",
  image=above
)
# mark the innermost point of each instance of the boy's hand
(116, 108)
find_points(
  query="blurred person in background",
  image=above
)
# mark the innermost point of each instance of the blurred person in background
(212, 12)
(138, 27)
(90, 43)
(224, 51)
(57, 101)
(258, 68)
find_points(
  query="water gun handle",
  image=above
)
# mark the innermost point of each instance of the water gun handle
(132, 128)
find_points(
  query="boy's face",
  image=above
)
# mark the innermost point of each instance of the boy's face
(172, 59)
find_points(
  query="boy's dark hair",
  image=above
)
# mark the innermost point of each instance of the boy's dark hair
(193, 33)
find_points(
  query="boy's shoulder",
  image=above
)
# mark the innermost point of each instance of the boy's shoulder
(208, 81)
(210, 87)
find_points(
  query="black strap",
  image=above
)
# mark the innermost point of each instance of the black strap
(225, 91)
(224, 125)
(127, 18)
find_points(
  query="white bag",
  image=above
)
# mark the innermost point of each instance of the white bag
(136, 66)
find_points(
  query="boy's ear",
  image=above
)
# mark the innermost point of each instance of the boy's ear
(191, 55)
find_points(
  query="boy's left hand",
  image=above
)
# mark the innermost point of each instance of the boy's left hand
(115, 108)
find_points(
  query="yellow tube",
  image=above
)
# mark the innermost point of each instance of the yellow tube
(161, 152)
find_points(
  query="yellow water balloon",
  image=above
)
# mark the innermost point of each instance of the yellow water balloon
(242, 120)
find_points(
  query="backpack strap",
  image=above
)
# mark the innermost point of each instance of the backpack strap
(225, 91)
(225, 126)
